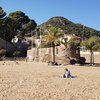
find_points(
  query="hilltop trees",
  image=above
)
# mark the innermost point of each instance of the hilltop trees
(69, 27)
(92, 44)
(16, 23)
(19, 24)
(28, 27)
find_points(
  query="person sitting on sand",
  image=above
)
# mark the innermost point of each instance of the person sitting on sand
(67, 74)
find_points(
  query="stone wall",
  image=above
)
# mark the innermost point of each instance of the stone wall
(45, 54)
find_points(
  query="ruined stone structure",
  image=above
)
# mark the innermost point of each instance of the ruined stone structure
(62, 54)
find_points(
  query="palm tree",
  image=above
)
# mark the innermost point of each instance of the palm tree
(92, 44)
(52, 36)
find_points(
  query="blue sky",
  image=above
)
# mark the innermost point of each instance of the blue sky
(86, 12)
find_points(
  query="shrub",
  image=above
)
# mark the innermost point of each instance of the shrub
(2, 52)
(17, 54)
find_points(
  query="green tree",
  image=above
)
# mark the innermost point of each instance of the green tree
(28, 27)
(10, 29)
(17, 23)
(2, 13)
(2, 19)
(52, 36)
(92, 44)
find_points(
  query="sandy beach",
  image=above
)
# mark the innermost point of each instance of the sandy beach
(38, 81)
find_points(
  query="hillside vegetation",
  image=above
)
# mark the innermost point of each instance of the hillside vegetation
(69, 27)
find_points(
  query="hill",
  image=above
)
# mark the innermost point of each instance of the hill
(69, 27)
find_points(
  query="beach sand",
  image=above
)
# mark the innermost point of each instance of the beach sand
(38, 81)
